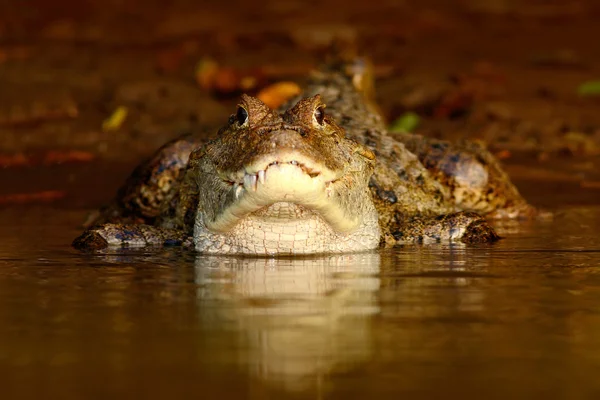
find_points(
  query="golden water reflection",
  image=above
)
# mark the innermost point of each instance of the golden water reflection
(297, 318)
(517, 319)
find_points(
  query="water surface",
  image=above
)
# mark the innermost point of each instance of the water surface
(519, 318)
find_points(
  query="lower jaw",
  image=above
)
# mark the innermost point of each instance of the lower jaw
(267, 237)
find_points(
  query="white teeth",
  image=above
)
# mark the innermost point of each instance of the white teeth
(237, 190)
(250, 182)
(261, 176)
(329, 189)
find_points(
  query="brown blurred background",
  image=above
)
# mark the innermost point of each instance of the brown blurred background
(88, 88)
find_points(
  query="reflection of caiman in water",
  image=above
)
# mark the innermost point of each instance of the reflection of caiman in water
(302, 320)
(299, 318)
(309, 180)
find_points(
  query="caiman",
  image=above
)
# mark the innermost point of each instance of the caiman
(321, 175)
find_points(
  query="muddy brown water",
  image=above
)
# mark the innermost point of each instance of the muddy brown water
(517, 319)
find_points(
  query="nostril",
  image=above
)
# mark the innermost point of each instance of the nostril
(287, 137)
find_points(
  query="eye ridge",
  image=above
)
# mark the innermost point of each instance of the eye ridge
(320, 115)
(241, 115)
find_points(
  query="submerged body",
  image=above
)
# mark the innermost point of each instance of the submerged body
(308, 180)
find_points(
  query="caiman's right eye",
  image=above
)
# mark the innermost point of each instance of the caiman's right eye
(241, 116)
(320, 115)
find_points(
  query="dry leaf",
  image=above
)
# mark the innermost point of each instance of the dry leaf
(115, 121)
(278, 93)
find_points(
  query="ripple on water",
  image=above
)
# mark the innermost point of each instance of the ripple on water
(516, 317)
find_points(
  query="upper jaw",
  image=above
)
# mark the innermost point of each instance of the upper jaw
(257, 170)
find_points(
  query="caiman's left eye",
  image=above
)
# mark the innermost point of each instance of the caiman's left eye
(320, 115)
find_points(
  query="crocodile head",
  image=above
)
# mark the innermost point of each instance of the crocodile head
(286, 183)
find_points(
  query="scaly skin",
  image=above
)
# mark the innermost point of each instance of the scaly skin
(141, 199)
(424, 189)
(301, 181)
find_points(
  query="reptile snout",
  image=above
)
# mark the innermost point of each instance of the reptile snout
(286, 138)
